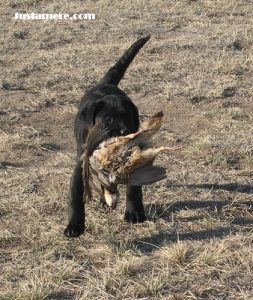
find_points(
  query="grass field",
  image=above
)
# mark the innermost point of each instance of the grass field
(197, 67)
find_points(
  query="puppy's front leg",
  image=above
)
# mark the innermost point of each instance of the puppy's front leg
(76, 204)
(134, 207)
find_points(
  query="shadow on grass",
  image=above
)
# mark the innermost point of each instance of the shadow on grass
(153, 243)
(155, 211)
(231, 187)
(243, 221)
(60, 296)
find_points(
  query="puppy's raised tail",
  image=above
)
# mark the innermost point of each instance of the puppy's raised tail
(116, 73)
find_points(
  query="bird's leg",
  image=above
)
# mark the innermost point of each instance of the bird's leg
(152, 152)
(132, 135)
(171, 148)
(134, 206)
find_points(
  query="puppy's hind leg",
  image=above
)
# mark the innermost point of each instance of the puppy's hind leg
(134, 206)
(76, 204)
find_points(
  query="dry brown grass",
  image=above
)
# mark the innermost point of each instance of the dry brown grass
(197, 243)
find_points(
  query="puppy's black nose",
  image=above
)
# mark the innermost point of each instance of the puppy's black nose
(123, 131)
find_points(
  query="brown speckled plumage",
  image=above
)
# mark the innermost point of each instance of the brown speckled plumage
(122, 160)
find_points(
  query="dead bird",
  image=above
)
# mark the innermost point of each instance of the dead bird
(122, 160)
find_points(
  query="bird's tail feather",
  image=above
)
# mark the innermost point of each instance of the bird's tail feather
(147, 174)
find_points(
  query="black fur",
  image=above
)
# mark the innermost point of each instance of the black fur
(109, 105)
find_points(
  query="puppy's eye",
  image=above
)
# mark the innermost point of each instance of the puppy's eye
(108, 119)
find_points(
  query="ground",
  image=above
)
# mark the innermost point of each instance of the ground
(197, 67)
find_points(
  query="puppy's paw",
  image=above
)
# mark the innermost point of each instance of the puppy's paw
(134, 217)
(73, 230)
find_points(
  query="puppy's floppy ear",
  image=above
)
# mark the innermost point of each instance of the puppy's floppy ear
(91, 110)
(98, 107)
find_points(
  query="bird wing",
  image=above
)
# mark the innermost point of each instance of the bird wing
(146, 174)
(96, 134)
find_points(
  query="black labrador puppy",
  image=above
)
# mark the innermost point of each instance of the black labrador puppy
(105, 103)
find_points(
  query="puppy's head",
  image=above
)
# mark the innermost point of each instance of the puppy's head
(118, 116)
